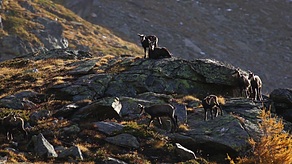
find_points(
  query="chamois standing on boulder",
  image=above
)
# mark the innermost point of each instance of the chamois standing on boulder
(256, 86)
(158, 52)
(146, 41)
(158, 111)
(243, 84)
(211, 103)
(10, 123)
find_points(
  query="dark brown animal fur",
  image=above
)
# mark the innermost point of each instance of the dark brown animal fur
(157, 111)
(146, 41)
(10, 123)
(211, 103)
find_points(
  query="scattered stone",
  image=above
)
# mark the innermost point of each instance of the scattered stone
(184, 153)
(102, 109)
(73, 129)
(83, 67)
(51, 34)
(3, 160)
(181, 113)
(108, 128)
(282, 101)
(42, 147)
(124, 140)
(111, 160)
(73, 151)
(39, 115)
(20, 100)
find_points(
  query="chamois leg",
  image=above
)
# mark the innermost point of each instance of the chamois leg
(246, 93)
(151, 120)
(218, 108)
(221, 111)
(24, 133)
(255, 90)
(8, 136)
(175, 117)
(159, 120)
(260, 94)
(144, 52)
(215, 109)
(174, 125)
(206, 114)
(211, 112)
(241, 92)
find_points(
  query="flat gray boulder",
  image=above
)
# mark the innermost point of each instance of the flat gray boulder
(124, 140)
(108, 128)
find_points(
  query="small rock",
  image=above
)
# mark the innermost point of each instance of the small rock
(73, 151)
(124, 140)
(108, 128)
(184, 153)
(42, 147)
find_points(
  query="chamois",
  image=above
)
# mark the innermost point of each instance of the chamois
(211, 102)
(256, 86)
(243, 83)
(158, 52)
(158, 111)
(12, 122)
(146, 40)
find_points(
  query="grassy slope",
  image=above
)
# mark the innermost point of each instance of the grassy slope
(17, 20)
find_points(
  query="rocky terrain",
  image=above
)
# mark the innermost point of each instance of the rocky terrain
(82, 108)
(77, 85)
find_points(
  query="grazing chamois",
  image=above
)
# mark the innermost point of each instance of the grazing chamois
(10, 123)
(157, 111)
(211, 103)
(146, 41)
(256, 86)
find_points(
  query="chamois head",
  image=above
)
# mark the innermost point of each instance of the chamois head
(142, 37)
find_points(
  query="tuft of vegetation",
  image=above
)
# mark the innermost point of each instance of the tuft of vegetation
(275, 145)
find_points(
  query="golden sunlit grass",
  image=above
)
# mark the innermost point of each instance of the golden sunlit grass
(20, 22)
(190, 98)
(186, 99)
(22, 74)
(83, 148)
(183, 127)
(133, 157)
(274, 146)
(22, 113)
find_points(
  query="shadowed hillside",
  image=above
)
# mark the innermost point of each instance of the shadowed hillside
(253, 35)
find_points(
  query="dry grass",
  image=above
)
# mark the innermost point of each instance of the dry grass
(22, 74)
(185, 99)
(275, 145)
(183, 127)
(78, 31)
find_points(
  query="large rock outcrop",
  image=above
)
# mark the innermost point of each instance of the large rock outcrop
(132, 76)
(282, 101)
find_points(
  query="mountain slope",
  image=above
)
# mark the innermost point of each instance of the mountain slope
(253, 35)
(29, 26)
